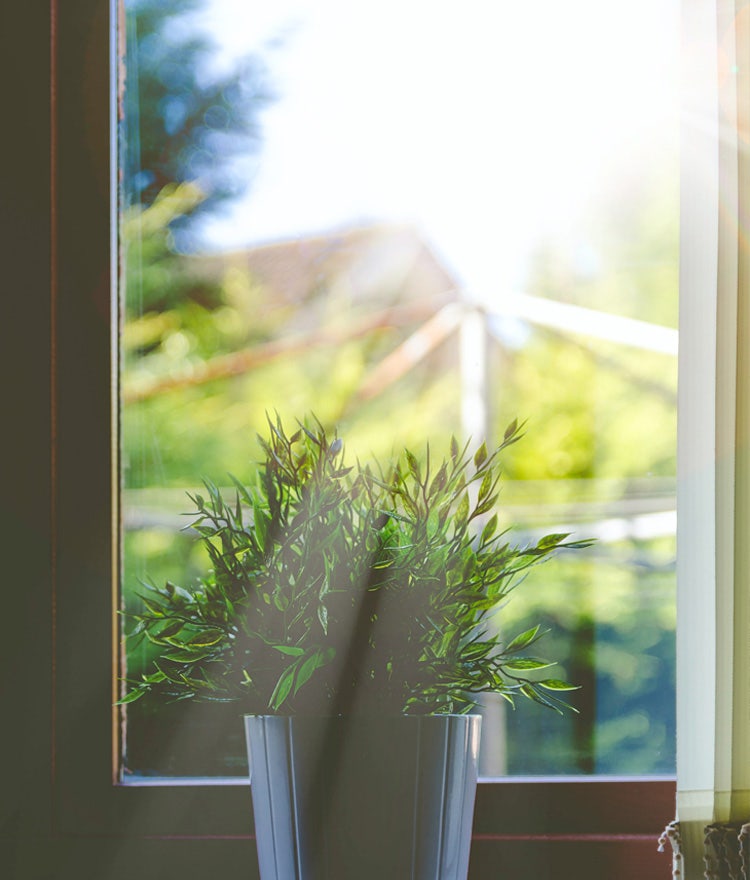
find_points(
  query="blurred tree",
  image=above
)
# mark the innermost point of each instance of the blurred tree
(599, 409)
(188, 117)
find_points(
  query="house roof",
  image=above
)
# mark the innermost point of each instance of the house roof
(365, 268)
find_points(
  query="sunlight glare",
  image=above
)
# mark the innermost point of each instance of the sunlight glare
(489, 126)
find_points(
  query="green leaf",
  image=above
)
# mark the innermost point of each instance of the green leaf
(171, 629)
(154, 677)
(155, 640)
(169, 677)
(523, 640)
(137, 629)
(313, 662)
(206, 638)
(523, 664)
(155, 609)
(462, 511)
(530, 691)
(511, 430)
(391, 514)
(556, 684)
(440, 479)
(290, 650)
(283, 687)
(550, 541)
(260, 525)
(175, 590)
(480, 456)
(411, 460)
(489, 530)
(131, 697)
(485, 487)
(580, 545)
(186, 656)
(310, 435)
(196, 683)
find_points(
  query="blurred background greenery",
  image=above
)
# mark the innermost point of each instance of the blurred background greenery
(363, 326)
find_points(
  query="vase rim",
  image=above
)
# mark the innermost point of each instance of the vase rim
(361, 716)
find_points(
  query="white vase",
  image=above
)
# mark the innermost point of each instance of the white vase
(357, 798)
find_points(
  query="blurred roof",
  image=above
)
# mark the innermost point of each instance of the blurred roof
(368, 266)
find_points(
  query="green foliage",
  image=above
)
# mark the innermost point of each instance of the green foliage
(349, 589)
(601, 413)
(187, 116)
(600, 410)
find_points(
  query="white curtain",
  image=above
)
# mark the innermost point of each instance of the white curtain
(713, 532)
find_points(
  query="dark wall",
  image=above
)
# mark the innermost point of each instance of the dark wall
(25, 451)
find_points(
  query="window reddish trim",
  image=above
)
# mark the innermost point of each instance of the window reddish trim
(570, 806)
(524, 829)
(543, 859)
(582, 828)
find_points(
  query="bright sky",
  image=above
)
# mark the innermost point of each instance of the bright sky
(487, 123)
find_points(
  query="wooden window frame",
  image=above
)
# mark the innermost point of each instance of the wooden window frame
(71, 809)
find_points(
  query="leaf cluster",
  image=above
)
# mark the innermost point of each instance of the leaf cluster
(340, 589)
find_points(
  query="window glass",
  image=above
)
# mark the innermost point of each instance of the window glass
(414, 220)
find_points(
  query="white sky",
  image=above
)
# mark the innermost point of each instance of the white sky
(487, 123)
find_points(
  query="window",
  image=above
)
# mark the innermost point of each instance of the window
(309, 229)
(171, 829)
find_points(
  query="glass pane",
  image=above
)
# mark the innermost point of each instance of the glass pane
(414, 220)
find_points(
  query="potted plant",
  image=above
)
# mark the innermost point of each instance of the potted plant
(350, 613)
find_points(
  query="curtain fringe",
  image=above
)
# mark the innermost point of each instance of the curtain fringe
(726, 848)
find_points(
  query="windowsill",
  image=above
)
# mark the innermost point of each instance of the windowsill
(135, 780)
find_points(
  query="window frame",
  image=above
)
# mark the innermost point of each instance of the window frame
(528, 826)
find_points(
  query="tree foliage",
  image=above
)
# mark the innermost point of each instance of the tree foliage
(188, 118)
